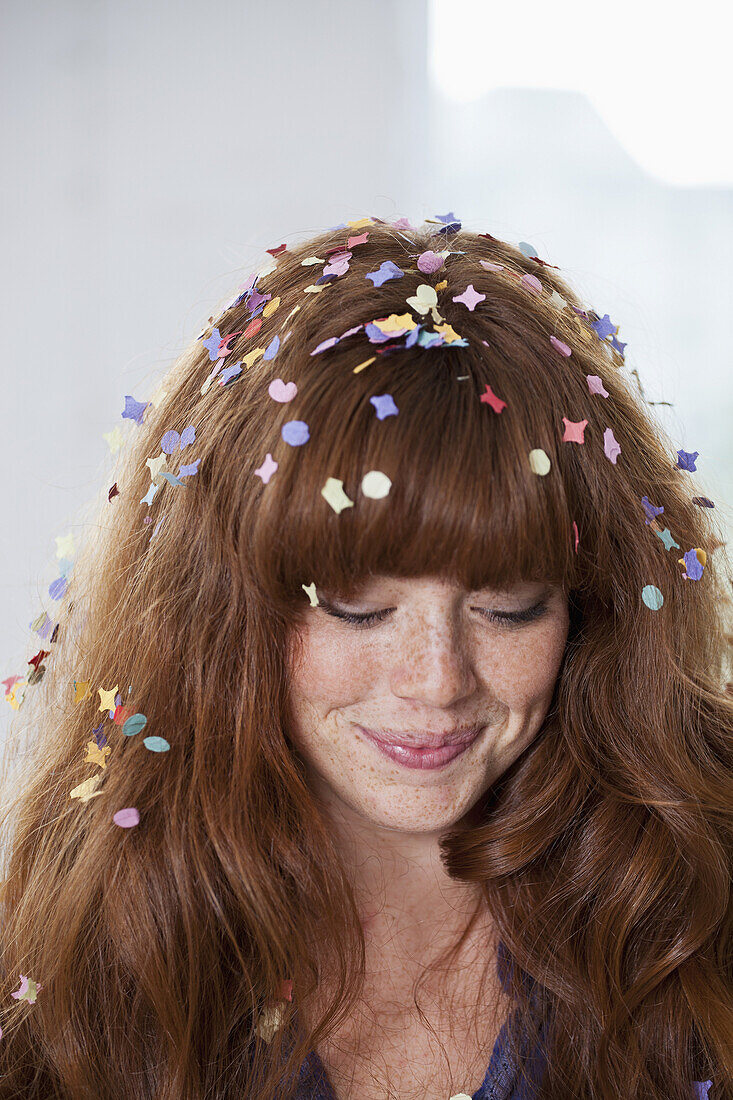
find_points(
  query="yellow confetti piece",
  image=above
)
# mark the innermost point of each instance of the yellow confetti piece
(65, 546)
(539, 462)
(364, 364)
(114, 439)
(155, 465)
(271, 307)
(253, 356)
(270, 1020)
(361, 223)
(396, 322)
(107, 698)
(448, 333)
(311, 260)
(82, 690)
(333, 492)
(313, 289)
(16, 695)
(87, 789)
(95, 755)
(441, 286)
(424, 299)
(310, 591)
(375, 484)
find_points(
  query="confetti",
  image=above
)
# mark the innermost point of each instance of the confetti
(375, 484)
(686, 460)
(429, 261)
(282, 391)
(267, 469)
(384, 405)
(470, 297)
(595, 385)
(333, 492)
(539, 462)
(490, 398)
(156, 744)
(134, 724)
(107, 698)
(611, 447)
(560, 346)
(295, 432)
(310, 591)
(387, 270)
(126, 818)
(650, 509)
(694, 563)
(574, 430)
(652, 597)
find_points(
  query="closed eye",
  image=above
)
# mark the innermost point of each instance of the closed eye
(505, 618)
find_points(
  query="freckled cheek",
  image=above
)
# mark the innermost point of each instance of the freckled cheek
(521, 671)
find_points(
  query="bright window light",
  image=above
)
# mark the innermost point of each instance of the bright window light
(660, 82)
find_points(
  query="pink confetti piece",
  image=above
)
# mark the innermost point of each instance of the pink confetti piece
(611, 448)
(560, 346)
(595, 385)
(127, 818)
(490, 398)
(574, 430)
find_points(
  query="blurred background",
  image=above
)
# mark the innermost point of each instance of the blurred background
(153, 150)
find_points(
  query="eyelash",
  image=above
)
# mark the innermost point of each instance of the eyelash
(504, 618)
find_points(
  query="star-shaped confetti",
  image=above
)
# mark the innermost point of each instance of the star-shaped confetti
(667, 539)
(267, 469)
(470, 297)
(107, 698)
(64, 546)
(134, 409)
(686, 460)
(574, 430)
(155, 465)
(384, 405)
(333, 492)
(114, 439)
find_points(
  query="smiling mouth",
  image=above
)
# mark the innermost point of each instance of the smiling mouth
(426, 758)
(421, 740)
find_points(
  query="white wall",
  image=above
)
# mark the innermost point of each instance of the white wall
(153, 150)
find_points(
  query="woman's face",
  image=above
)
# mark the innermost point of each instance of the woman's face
(430, 666)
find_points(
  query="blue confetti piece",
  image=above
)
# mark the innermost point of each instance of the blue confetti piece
(134, 724)
(57, 588)
(188, 436)
(191, 468)
(693, 565)
(156, 744)
(170, 441)
(384, 404)
(652, 597)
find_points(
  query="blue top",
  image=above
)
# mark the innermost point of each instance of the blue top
(502, 1081)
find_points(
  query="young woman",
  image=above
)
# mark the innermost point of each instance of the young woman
(383, 747)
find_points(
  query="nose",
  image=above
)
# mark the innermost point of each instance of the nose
(433, 665)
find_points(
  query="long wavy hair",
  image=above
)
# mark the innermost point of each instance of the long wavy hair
(170, 957)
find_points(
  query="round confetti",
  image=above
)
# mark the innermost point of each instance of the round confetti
(539, 462)
(652, 597)
(375, 484)
(134, 724)
(127, 818)
(170, 441)
(295, 432)
(156, 744)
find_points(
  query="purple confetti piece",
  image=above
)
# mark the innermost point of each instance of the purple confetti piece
(212, 345)
(703, 502)
(57, 588)
(134, 409)
(686, 460)
(560, 346)
(170, 441)
(188, 436)
(295, 432)
(693, 565)
(228, 373)
(387, 270)
(325, 345)
(429, 261)
(272, 348)
(192, 468)
(384, 405)
(650, 509)
(603, 327)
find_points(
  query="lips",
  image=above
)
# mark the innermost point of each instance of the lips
(430, 758)
(423, 740)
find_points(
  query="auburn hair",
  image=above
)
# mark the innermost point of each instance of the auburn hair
(163, 952)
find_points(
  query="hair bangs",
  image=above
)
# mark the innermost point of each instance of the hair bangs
(463, 500)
